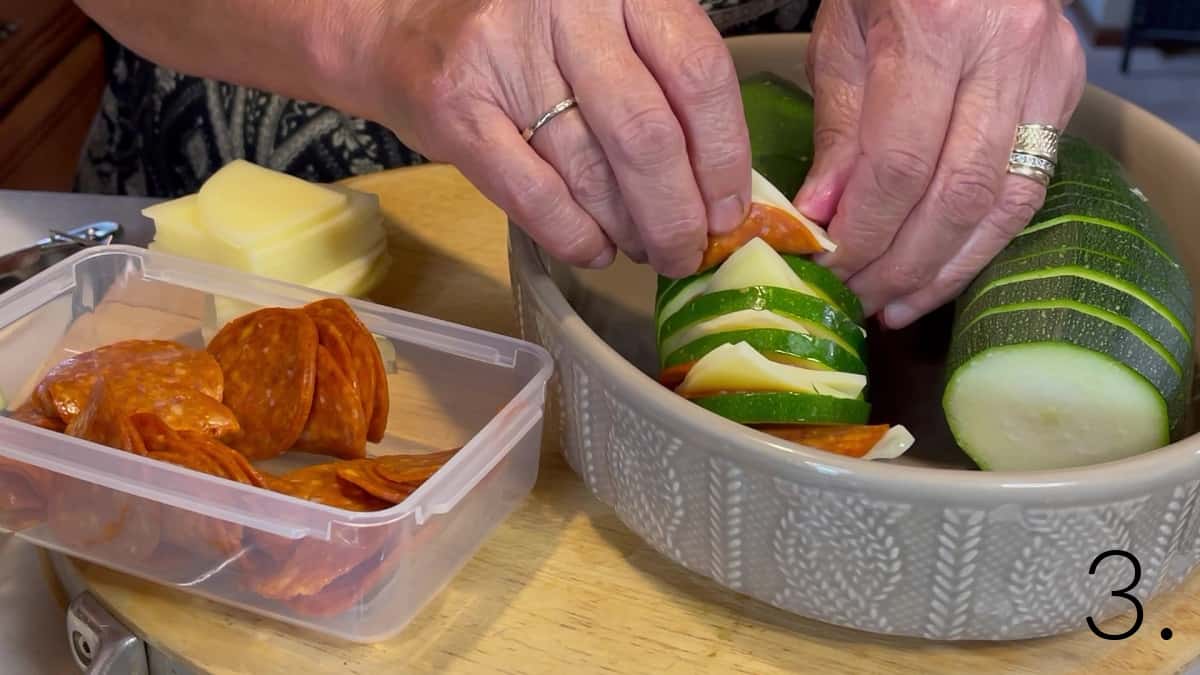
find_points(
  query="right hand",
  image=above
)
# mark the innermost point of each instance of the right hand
(655, 157)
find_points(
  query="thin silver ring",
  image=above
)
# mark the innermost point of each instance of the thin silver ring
(542, 121)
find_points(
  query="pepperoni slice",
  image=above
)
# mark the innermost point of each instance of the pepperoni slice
(269, 359)
(316, 563)
(103, 521)
(335, 426)
(412, 468)
(368, 370)
(29, 413)
(104, 421)
(65, 389)
(320, 483)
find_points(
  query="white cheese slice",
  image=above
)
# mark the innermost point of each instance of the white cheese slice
(246, 205)
(763, 191)
(894, 443)
(739, 367)
(745, 319)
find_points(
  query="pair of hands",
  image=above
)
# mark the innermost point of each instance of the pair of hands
(917, 102)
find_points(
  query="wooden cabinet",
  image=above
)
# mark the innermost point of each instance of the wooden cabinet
(51, 77)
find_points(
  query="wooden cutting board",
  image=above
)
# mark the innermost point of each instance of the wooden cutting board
(563, 586)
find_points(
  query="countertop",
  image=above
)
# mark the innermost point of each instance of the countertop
(562, 586)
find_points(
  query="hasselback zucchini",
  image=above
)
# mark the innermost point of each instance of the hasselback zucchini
(1074, 346)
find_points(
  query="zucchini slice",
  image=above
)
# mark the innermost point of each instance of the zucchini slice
(1068, 285)
(1078, 327)
(778, 345)
(811, 315)
(786, 408)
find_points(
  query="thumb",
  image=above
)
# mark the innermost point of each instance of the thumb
(837, 64)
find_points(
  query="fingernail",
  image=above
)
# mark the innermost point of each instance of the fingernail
(898, 315)
(726, 214)
(603, 260)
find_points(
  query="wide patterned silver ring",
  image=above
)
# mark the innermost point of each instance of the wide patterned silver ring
(1035, 152)
(542, 121)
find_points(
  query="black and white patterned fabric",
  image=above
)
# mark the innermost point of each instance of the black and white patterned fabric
(160, 133)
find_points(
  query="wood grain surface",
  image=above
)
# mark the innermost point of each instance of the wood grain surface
(563, 586)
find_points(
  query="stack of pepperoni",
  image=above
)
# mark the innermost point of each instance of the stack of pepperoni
(308, 379)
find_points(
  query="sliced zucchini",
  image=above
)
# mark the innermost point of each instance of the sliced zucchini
(739, 367)
(1080, 285)
(775, 344)
(757, 264)
(786, 408)
(1049, 405)
(816, 317)
(1078, 326)
(1154, 285)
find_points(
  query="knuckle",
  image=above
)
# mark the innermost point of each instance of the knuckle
(901, 173)
(968, 193)
(649, 138)
(906, 277)
(685, 233)
(591, 179)
(535, 198)
(1026, 20)
(1018, 206)
(828, 137)
(721, 156)
(707, 71)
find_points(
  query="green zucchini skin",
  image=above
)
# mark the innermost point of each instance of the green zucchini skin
(1034, 326)
(773, 341)
(786, 408)
(1167, 285)
(782, 301)
(820, 278)
(1088, 292)
(779, 117)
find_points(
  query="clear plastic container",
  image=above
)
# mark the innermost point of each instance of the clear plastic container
(450, 386)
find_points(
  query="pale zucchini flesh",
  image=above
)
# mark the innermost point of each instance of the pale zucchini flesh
(1050, 405)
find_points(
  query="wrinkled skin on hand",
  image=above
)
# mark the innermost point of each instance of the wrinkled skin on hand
(654, 158)
(917, 105)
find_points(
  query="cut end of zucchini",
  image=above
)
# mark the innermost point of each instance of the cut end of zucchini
(1041, 406)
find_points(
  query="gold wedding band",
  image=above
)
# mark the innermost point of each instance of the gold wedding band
(542, 121)
(1035, 152)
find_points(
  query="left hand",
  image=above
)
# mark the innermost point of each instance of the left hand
(917, 104)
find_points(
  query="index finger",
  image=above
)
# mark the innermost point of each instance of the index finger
(685, 52)
(644, 141)
(907, 103)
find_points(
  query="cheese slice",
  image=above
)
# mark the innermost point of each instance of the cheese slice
(357, 277)
(739, 367)
(746, 319)
(177, 231)
(319, 249)
(895, 442)
(246, 205)
(763, 191)
(754, 264)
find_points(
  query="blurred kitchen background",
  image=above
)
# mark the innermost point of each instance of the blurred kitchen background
(52, 70)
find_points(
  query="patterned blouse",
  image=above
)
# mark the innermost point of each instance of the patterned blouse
(160, 133)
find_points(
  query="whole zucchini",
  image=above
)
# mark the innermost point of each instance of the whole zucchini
(1074, 346)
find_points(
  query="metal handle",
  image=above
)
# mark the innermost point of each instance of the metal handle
(100, 644)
